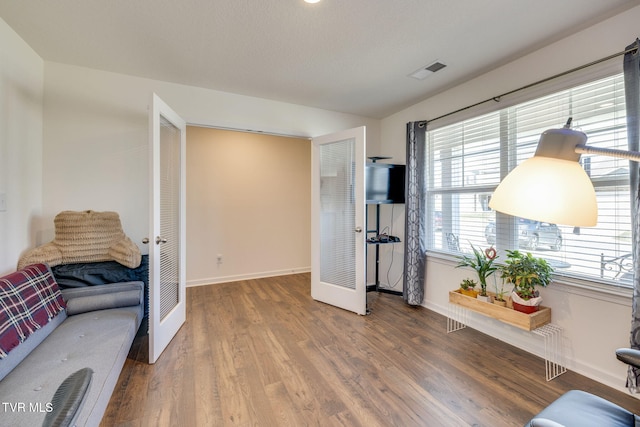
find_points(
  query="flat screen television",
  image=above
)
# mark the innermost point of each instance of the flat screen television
(384, 183)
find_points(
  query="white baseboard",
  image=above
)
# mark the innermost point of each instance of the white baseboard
(248, 276)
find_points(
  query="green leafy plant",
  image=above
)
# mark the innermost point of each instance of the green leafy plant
(500, 291)
(526, 272)
(467, 284)
(482, 262)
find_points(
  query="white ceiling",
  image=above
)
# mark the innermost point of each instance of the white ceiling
(351, 56)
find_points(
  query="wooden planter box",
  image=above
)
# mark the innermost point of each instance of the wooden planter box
(528, 322)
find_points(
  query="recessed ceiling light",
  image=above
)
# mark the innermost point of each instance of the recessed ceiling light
(423, 72)
(311, 1)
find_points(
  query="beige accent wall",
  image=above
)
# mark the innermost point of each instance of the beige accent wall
(95, 153)
(248, 200)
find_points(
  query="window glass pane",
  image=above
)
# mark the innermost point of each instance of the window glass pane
(466, 154)
(461, 220)
(466, 161)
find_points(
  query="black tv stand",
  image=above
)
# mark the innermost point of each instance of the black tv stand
(377, 241)
(376, 232)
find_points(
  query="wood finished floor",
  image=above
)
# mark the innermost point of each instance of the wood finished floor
(263, 353)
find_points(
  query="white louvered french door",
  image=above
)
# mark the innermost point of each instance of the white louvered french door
(338, 220)
(167, 294)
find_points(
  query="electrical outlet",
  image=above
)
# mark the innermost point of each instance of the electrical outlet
(219, 258)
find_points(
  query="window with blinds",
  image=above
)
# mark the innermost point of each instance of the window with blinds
(467, 160)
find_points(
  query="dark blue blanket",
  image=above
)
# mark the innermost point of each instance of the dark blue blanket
(102, 273)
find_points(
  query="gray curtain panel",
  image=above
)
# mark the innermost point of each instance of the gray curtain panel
(415, 237)
(632, 97)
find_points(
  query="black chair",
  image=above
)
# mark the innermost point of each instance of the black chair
(577, 408)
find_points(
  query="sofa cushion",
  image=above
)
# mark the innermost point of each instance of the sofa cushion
(81, 300)
(113, 300)
(29, 299)
(22, 351)
(99, 340)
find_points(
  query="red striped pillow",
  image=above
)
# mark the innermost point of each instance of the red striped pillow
(29, 299)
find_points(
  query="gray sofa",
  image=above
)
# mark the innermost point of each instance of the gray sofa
(95, 330)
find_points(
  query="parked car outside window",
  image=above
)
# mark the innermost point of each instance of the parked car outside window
(531, 234)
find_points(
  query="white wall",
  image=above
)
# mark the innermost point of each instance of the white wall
(594, 324)
(95, 137)
(21, 88)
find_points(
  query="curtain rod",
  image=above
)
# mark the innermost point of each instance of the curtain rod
(573, 70)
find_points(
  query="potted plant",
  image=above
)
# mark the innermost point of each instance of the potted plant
(500, 298)
(482, 263)
(526, 272)
(468, 288)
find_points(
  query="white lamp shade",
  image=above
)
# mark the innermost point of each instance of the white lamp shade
(550, 190)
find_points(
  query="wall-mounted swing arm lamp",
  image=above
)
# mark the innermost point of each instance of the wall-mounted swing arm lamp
(552, 186)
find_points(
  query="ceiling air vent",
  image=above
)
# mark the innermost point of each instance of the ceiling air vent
(423, 72)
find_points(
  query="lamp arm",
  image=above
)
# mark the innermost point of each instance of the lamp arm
(610, 152)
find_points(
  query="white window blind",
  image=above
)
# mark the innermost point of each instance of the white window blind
(337, 214)
(467, 160)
